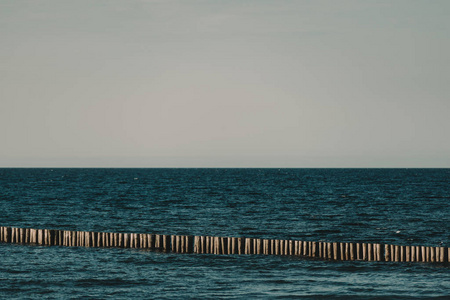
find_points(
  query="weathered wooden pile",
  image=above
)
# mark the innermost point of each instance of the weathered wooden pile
(226, 245)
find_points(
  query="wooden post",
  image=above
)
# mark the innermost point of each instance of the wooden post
(387, 253)
(227, 242)
(329, 250)
(183, 244)
(370, 252)
(41, 236)
(13, 235)
(88, 237)
(397, 253)
(234, 245)
(99, 240)
(27, 235)
(46, 237)
(342, 251)
(277, 247)
(413, 253)
(117, 239)
(442, 254)
(358, 251)
(380, 256)
(85, 239)
(197, 244)
(126, 240)
(432, 254)
(364, 251)
(418, 253)
(402, 253)
(335, 251)
(208, 243)
(408, 253)
(22, 236)
(324, 250)
(248, 246)
(143, 241)
(215, 246)
(136, 240)
(93, 238)
(265, 246)
(211, 245)
(282, 247)
(158, 242)
(66, 238)
(202, 244)
(352, 251)
(178, 241)
(305, 248)
(173, 242)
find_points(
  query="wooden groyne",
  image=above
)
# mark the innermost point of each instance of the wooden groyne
(226, 245)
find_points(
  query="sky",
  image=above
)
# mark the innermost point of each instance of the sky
(262, 83)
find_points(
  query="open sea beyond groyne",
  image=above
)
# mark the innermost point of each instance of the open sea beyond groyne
(406, 207)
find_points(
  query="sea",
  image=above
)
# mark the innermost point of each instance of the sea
(393, 206)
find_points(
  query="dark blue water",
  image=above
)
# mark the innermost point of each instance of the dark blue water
(399, 206)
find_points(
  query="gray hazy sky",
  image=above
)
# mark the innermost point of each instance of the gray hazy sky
(225, 83)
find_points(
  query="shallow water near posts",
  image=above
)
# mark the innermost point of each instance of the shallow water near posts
(396, 206)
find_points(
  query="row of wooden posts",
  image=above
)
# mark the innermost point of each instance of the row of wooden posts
(226, 245)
